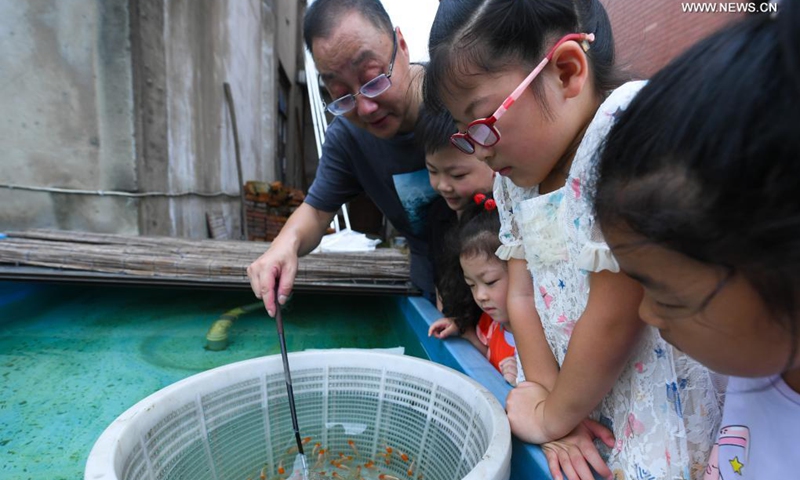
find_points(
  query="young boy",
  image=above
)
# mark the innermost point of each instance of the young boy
(456, 176)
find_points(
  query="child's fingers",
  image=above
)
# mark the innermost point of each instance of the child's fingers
(438, 334)
(509, 364)
(508, 367)
(573, 464)
(592, 456)
(576, 455)
(552, 463)
(451, 329)
(566, 465)
(443, 328)
(437, 326)
(588, 450)
(579, 465)
(600, 431)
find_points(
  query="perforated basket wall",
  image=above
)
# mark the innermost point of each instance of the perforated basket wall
(233, 422)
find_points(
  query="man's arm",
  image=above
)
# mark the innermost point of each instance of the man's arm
(299, 236)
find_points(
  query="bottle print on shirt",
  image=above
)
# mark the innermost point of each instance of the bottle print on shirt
(728, 458)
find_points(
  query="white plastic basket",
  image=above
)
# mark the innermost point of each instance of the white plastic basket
(231, 422)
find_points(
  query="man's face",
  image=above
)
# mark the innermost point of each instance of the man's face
(353, 54)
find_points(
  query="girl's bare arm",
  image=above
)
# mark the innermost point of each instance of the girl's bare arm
(601, 344)
(537, 359)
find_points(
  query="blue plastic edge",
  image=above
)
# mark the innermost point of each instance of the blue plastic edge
(527, 461)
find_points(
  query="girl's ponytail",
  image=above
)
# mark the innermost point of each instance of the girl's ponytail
(479, 228)
(593, 18)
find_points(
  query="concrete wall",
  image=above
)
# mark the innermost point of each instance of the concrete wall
(66, 114)
(269, 94)
(205, 44)
(289, 23)
(290, 50)
(127, 95)
(209, 43)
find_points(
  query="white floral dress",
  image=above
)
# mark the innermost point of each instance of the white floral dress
(664, 408)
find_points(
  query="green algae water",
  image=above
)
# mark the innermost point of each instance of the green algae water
(73, 358)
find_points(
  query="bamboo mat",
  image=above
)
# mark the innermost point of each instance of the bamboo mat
(188, 261)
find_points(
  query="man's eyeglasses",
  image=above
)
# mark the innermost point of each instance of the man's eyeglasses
(371, 89)
(482, 131)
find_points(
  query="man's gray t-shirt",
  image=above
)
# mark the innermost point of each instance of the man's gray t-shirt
(391, 172)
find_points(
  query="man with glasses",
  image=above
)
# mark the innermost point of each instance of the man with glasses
(369, 147)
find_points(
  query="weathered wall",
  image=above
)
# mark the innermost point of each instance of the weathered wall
(205, 44)
(287, 21)
(66, 114)
(269, 95)
(209, 43)
(291, 57)
(127, 95)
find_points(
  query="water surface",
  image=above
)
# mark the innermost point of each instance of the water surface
(74, 357)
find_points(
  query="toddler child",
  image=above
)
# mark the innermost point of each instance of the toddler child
(486, 276)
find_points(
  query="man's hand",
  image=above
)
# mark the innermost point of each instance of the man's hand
(277, 264)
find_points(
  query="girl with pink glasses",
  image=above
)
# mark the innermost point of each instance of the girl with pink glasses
(588, 360)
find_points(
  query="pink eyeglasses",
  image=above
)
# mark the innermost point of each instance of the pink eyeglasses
(482, 131)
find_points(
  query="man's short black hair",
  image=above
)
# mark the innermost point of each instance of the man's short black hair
(323, 15)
